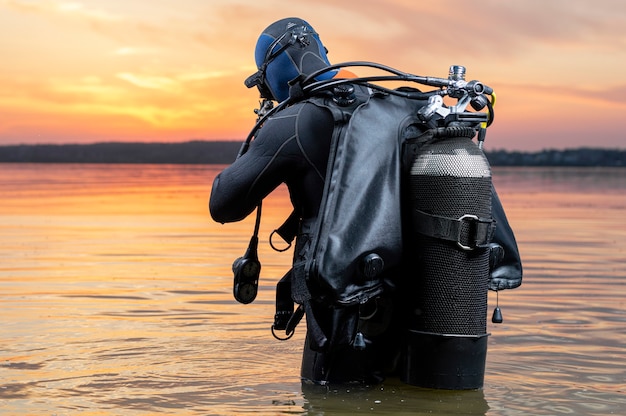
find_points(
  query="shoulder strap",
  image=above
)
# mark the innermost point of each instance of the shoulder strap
(341, 115)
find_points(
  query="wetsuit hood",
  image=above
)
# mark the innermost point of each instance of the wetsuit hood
(286, 49)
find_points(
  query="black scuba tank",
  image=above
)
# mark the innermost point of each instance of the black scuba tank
(449, 204)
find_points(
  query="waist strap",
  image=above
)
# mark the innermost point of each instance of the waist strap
(468, 231)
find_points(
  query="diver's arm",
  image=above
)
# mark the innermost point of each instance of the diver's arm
(242, 186)
(223, 204)
(239, 188)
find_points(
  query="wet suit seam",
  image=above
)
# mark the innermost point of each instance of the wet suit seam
(306, 156)
(273, 158)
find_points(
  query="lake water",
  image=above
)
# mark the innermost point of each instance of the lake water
(116, 296)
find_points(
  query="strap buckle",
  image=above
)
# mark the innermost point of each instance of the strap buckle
(479, 231)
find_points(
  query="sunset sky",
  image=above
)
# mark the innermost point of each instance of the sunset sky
(173, 70)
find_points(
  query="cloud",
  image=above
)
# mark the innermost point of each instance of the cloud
(615, 96)
(150, 81)
(130, 50)
(79, 10)
(65, 9)
(175, 83)
(485, 27)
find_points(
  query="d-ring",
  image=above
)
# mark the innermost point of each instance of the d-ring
(280, 250)
(282, 339)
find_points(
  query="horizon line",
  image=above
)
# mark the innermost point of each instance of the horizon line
(170, 142)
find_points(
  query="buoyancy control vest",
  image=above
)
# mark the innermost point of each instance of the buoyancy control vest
(358, 236)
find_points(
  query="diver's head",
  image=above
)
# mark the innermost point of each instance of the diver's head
(286, 49)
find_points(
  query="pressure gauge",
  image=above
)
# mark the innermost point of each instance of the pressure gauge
(246, 281)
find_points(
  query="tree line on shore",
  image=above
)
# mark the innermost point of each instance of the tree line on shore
(224, 152)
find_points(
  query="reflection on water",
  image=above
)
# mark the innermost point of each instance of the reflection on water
(115, 288)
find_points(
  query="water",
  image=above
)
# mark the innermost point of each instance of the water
(115, 288)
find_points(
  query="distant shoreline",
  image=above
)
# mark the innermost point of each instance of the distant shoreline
(224, 152)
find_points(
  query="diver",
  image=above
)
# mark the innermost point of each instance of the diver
(292, 147)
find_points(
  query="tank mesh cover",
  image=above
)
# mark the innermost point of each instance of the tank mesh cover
(450, 178)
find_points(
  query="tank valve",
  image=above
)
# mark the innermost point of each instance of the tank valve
(456, 73)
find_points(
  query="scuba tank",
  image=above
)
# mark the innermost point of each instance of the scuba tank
(449, 203)
(448, 199)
